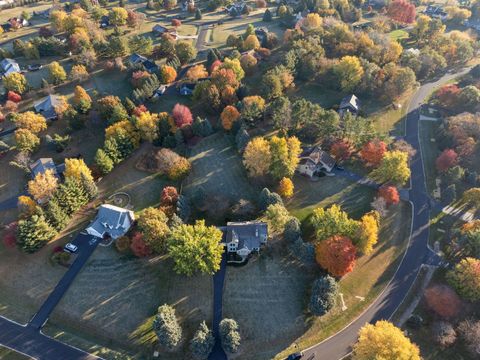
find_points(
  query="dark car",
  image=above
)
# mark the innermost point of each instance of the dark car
(34, 67)
(339, 167)
(295, 356)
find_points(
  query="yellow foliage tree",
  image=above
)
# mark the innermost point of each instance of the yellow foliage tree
(384, 341)
(368, 232)
(256, 157)
(79, 72)
(26, 205)
(393, 168)
(26, 140)
(168, 74)
(285, 188)
(57, 72)
(75, 168)
(43, 186)
(147, 125)
(229, 115)
(31, 121)
(196, 72)
(349, 72)
(15, 82)
(311, 22)
(251, 43)
(61, 106)
(118, 16)
(57, 19)
(123, 129)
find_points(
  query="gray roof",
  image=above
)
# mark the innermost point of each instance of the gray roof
(350, 102)
(250, 234)
(42, 165)
(159, 28)
(9, 66)
(46, 106)
(317, 156)
(111, 220)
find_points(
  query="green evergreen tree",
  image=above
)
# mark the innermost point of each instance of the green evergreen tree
(71, 195)
(103, 161)
(33, 233)
(267, 16)
(110, 147)
(129, 105)
(202, 343)
(55, 214)
(166, 327)
(198, 14)
(89, 186)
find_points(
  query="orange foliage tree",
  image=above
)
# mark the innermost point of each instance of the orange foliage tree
(372, 152)
(390, 194)
(443, 300)
(229, 115)
(341, 150)
(336, 255)
(285, 188)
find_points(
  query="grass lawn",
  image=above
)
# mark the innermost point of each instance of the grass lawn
(430, 151)
(6, 354)
(399, 35)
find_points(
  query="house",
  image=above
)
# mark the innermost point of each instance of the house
(188, 3)
(351, 104)
(261, 34)
(43, 164)
(314, 160)
(46, 106)
(186, 89)
(104, 21)
(243, 238)
(149, 65)
(9, 66)
(159, 30)
(436, 12)
(111, 222)
(18, 23)
(236, 9)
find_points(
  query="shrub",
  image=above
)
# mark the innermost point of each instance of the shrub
(179, 169)
(230, 335)
(443, 300)
(470, 332)
(13, 96)
(268, 198)
(176, 22)
(123, 244)
(444, 333)
(139, 247)
(303, 251)
(166, 327)
(292, 230)
(324, 295)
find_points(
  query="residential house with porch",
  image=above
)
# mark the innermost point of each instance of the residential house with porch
(314, 160)
(111, 222)
(244, 238)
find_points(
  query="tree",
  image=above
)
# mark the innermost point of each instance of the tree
(196, 72)
(229, 335)
(43, 186)
(465, 278)
(443, 300)
(26, 140)
(182, 115)
(393, 168)
(257, 157)
(368, 232)
(284, 156)
(252, 108)
(311, 22)
(33, 233)
(372, 152)
(15, 82)
(169, 196)
(153, 225)
(118, 16)
(336, 254)
(285, 188)
(195, 248)
(79, 72)
(198, 14)
(229, 115)
(169, 4)
(386, 341)
(82, 102)
(444, 333)
(13, 96)
(168, 74)
(470, 332)
(202, 342)
(185, 52)
(402, 11)
(30, 121)
(75, 168)
(349, 72)
(267, 16)
(71, 195)
(471, 196)
(166, 327)
(147, 125)
(251, 43)
(248, 62)
(446, 160)
(103, 161)
(333, 221)
(323, 295)
(277, 216)
(280, 111)
(56, 215)
(390, 194)
(341, 150)
(139, 246)
(27, 206)
(268, 198)
(56, 73)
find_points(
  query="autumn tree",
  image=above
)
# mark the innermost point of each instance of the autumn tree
(153, 225)
(368, 232)
(470, 333)
(25, 140)
(43, 186)
(169, 196)
(229, 115)
(79, 72)
(402, 11)
(285, 188)
(349, 72)
(284, 156)
(139, 246)
(166, 327)
(56, 73)
(168, 74)
(195, 248)
(182, 115)
(472, 196)
(393, 168)
(251, 43)
(118, 16)
(341, 150)
(13, 96)
(372, 152)
(15, 82)
(385, 340)
(252, 108)
(465, 278)
(277, 216)
(333, 221)
(311, 22)
(443, 300)
(257, 157)
(30, 121)
(447, 159)
(75, 168)
(390, 194)
(27, 206)
(185, 51)
(336, 255)
(82, 102)
(147, 125)
(196, 72)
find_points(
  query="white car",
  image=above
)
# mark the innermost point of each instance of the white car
(71, 248)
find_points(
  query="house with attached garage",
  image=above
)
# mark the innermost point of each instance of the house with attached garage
(47, 105)
(314, 160)
(244, 238)
(9, 66)
(111, 222)
(350, 104)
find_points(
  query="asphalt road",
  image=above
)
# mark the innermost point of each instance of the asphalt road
(417, 252)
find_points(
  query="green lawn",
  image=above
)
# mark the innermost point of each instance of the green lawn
(430, 151)
(399, 35)
(6, 354)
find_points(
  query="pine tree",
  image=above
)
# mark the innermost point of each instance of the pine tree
(110, 147)
(103, 161)
(56, 216)
(129, 105)
(211, 58)
(89, 186)
(166, 327)
(33, 233)
(198, 14)
(71, 195)
(267, 16)
(241, 139)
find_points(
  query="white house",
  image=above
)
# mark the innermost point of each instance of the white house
(313, 160)
(9, 66)
(111, 221)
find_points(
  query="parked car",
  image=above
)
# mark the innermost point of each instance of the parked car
(339, 167)
(71, 248)
(34, 67)
(295, 356)
(329, 174)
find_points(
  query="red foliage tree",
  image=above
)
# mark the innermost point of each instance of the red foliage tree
(214, 65)
(443, 300)
(139, 77)
(9, 237)
(390, 194)
(176, 22)
(10, 107)
(446, 160)
(341, 150)
(45, 32)
(169, 196)
(13, 96)
(182, 115)
(139, 247)
(139, 110)
(372, 152)
(448, 95)
(402, 11)
(336, 254)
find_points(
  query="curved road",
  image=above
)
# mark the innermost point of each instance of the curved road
(417, 252)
